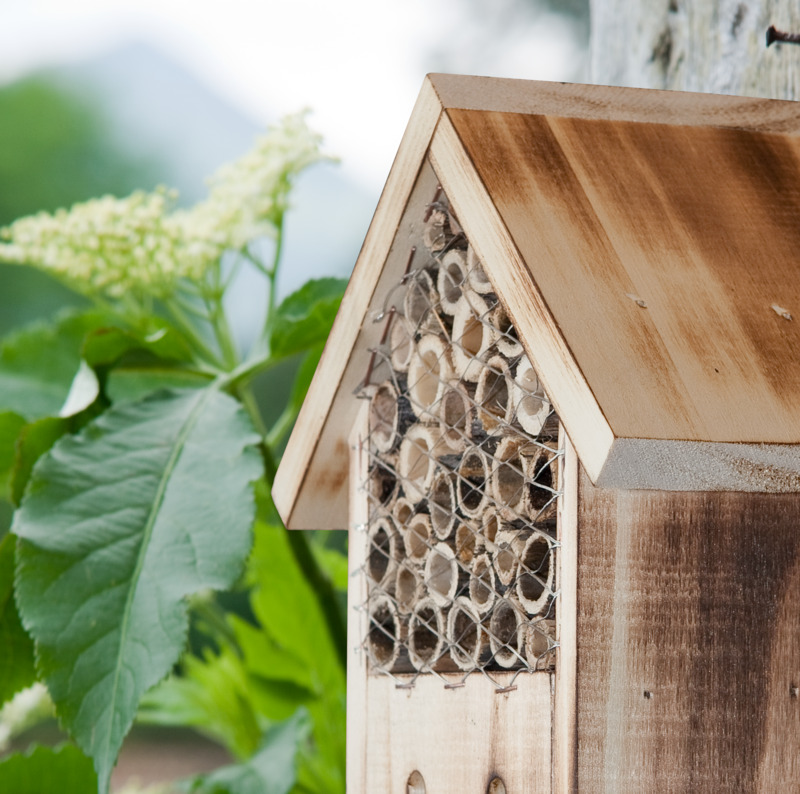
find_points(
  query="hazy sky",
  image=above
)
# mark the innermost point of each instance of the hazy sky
(358, 64)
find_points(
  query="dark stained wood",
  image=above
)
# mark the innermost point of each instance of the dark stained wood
(688, 641)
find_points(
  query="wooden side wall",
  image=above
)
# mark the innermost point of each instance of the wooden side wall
(688, 642)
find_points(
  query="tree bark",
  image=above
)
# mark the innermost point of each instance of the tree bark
(716, 46)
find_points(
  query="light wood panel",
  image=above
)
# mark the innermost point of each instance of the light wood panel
(688, 608)
(572, 100)
(458, 739)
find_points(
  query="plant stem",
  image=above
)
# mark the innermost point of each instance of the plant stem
(272, 273)
(283, 424)
(191, 334)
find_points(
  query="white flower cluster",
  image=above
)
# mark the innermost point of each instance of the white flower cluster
(248, 197)
(141, 244)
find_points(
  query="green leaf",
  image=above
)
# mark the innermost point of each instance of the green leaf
(273, 770)
(304, 318)
(16, 660)
(136, 380)
(211, 694)
(11, 425)
(149, 503)
(304, 376)
(106, 346)
(38, 364)
(34, 440)
(45, 770)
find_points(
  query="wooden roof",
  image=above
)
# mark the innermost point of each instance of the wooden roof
(646, 245)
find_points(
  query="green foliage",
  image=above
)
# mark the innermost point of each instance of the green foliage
(43, 770)
(303, 320)
(111, 551)
(16, 661)
(272, 770)
(39, 363)
(133, 448)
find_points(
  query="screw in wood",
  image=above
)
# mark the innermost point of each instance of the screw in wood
(794, 691)
(648, 694)
(773, 35)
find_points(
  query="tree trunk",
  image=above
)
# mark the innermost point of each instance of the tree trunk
(717, 46)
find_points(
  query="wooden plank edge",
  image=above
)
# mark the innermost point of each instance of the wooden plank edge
(356, 618)
(669, 465)
(574, 100)
(544, 344)
(565, 728)
(323, 402)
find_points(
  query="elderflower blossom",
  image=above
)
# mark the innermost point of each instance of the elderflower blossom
(140, 244)
(104, 246)
(248, 197)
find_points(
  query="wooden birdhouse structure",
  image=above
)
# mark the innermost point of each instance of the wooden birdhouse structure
(559, 413)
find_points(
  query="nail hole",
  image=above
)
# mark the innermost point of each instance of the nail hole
(794, 691)
(496, 786)
(416, 784)
(648, 694)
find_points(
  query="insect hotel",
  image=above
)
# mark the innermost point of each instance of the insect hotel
(559, 414)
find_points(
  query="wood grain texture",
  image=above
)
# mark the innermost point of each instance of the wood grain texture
(458, 739)
(357, 619)
(608, 103)
(505, 265)
(564, 705)
(688, 649)
(310, 489)
(698, 223)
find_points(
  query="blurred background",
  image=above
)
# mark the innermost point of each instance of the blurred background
(106, 96)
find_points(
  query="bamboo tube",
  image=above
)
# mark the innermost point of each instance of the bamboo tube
(383, 635)
(382, 485)
(408, 588)
(425, 634)
(473, 482)
(509, 544)
(541, 474)
(389, 415)
(429, 372)
(415, 461)
(451, 280)
(417, 537)
(539, 639)
(384, 552)
(442, 503)
(476, 275)
(482, 585)
(442, 574)
(493, 394)
(507, 632)
(530, 402)
(465, 634)
(419, 304)
(535, 577)
(490, 526)
(402, 510)
(402, 346)
(507, 342)
(472, 335)
(456, 413)
(468, 543)
(509, 469)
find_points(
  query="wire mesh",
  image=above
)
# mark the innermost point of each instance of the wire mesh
(463, 477)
